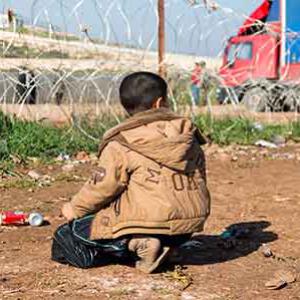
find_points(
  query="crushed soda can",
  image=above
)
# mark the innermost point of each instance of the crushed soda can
(21, 218)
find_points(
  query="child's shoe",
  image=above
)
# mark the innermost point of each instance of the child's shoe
(150, 253)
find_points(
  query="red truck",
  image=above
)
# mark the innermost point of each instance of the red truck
(261, 64)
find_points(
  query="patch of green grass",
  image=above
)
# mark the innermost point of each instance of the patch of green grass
(31, 139)
(69, 177)
(243, 131)
(22, 183)
(6, 167)
(295, 130)
(53, 54)
(44, 33)
(24, 139)
(25, 51)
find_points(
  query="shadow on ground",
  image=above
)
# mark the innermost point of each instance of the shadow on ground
(242, 239)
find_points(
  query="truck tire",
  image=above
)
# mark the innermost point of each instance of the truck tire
(292, 100)
(256, 99)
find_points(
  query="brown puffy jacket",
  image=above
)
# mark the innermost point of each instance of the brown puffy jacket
(150, 179)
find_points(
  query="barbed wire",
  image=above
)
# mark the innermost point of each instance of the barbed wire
(68, 57)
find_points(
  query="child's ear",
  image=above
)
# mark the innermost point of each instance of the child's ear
(157, 103)
(160, 102)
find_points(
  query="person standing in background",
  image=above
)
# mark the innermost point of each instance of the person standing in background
(26, 86)
(196, 80)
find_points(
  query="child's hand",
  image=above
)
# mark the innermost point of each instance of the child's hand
(68, 212)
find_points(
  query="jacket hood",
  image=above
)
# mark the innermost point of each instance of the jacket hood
(170, 143)
(160, 135)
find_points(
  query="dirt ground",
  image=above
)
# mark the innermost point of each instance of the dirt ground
(256, 189)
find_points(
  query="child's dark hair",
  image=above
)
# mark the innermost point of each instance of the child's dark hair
(139, 90)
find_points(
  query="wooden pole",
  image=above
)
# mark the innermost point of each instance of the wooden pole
(161, 39)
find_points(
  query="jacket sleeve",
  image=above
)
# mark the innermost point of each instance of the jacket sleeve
(108, 181)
